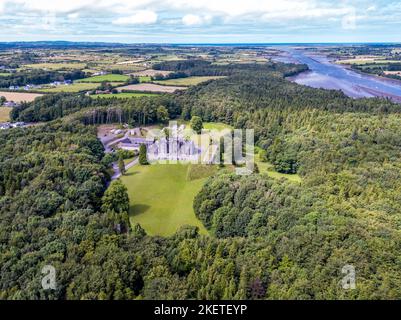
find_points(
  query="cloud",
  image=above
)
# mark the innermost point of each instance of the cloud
(192, 20)
(73, 16)
(265, 19)
(140, 17)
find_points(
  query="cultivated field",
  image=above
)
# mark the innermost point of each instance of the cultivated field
(105, 78)
(364, 61)
(190, 81)
(123, 95)
(4, 114)
(150, 87)
(161, 198)
(397, 73)
(19, 96)
(150, 73)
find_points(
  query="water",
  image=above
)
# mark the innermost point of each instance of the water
(325, 74)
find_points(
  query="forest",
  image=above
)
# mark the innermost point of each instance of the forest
(269, 239)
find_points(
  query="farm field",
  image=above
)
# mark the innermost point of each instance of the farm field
(161, 198)
(150, 73)
(367, 61)
(150, 87)
(5, 114)
(75, 87)
(106, 77)
(144, 79)
(190, 81)
(123, 95)
(19, 96)
(55, 66)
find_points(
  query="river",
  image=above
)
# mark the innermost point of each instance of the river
(328, 75)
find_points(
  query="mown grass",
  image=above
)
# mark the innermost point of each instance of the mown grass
(161, 198)
(5, 114)
(105, 78)
(216, 126)
(75, 87)
(268, 168)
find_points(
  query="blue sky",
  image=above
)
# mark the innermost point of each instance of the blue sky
(202, 21)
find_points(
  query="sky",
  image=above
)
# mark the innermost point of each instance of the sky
(201, 21)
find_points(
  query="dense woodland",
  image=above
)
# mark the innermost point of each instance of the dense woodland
(269, 239)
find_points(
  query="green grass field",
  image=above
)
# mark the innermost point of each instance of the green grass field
(3, 74)
(123, 95)
(265, 167)
(55, 66)
(75, 87)
(143, 79)
(161, 198)
(216, 126)
(106, 77)
(186, 82)
(5, 114)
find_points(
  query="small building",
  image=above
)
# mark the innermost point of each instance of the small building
(10, 104)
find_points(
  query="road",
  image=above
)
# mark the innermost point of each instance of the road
(117, 173)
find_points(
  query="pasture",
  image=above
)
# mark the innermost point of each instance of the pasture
(190, 81)
(19, 96)
(75, 87)
(105, 78)
(161, 198)
(56, 66)
(5, 114)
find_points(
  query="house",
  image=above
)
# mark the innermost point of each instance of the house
(5, 125)
(133, 144)
(10, 104)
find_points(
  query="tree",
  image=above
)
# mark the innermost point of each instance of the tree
(143, 159)
(197, 124)
(162, 114)
(2, 100)
(121, 165)
(116, 198)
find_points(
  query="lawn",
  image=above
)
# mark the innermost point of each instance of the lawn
(216, 126)
(106, 78)
(75, 87)
(124, 95)
(161, 198)
(190, 81)
(5, 114)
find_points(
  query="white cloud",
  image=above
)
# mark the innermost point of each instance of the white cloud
(73, 16)
(192, 20)
(140, 17)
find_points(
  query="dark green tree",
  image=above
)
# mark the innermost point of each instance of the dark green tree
(143, 159)
(197, 124)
